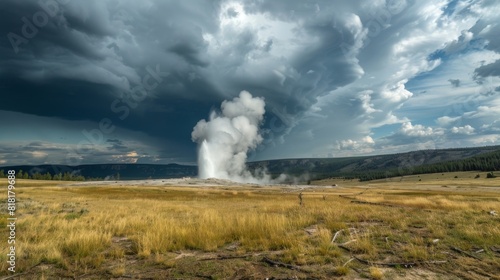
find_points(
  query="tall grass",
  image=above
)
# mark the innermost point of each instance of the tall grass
(161, 220)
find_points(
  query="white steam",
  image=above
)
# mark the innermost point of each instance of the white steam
(224, 140)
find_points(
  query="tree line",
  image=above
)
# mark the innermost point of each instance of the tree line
(67, 176)
(484, 162)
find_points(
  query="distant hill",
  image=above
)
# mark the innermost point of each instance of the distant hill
(375, 167)
(365, 167)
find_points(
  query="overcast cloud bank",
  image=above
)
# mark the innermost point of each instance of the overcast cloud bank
(338, 78)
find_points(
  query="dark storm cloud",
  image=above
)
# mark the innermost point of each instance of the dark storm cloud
(59, 72)
(32, 31)
(454, 82)
(90, 55)
(64, 98)
(189, 53)
(155, 68)
(117, 145)
(488, 70)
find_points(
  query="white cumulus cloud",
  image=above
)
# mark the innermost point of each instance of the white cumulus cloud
(463, 130)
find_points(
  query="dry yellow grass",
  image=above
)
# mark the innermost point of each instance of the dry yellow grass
(376, 273)
(77, 228)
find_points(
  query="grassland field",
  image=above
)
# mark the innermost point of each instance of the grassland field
(430, 226)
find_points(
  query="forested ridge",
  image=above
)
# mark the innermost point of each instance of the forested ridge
(483, 162)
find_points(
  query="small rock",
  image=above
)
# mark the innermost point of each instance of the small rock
(493, 213)
(311, 230)
(233, 246)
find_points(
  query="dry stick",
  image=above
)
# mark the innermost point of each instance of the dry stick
(374, 203)
(465, 253)
(349, 261)
(357, 270)
(345, 196)
(226, 257)
(495, 249)
(276, 263)
(343, 247)
(363, 191)
(204, 276)
(335, 236)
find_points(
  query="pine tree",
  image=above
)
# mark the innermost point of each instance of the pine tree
(58, 176)
(47, 176)
(38, 176)
(67, 176)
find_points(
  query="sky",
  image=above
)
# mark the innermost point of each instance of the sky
(125, 81)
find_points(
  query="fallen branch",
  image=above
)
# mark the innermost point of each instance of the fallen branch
(226, 257)
(204, 276)
(374, 203)
(276, 263)
(405, 265)
(363, 191)
(343, 247)
(346, 197)
(465, 253)
(496, 250)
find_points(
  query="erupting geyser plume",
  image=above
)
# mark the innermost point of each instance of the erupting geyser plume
(224, 140)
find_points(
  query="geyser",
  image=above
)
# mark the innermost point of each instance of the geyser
(227, 136)
(206, 167)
